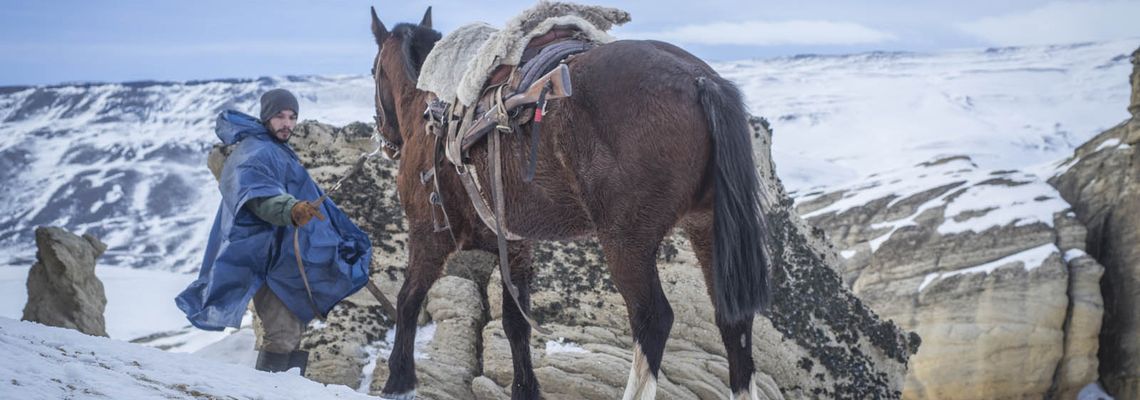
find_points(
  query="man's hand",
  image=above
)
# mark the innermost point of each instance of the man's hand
(303, 212)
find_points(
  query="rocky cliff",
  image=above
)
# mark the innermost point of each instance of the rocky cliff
(979, 263)
(818, 339)
(1102, 182)
(1021, 283)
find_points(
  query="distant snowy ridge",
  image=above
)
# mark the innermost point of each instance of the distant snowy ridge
(838, 119)
(975, 199)
(125, 162)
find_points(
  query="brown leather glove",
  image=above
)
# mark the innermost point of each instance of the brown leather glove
(303, 212)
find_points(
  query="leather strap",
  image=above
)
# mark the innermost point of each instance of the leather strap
(304, 277)
(500, 213)
(384, 303)
(470, 180)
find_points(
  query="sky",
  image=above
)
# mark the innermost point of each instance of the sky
(49, 42)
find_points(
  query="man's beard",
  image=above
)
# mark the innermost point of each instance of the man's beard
(288, 133)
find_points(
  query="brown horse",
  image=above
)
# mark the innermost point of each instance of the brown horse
(651, 139)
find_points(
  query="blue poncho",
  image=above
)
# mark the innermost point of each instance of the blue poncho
(245, 252)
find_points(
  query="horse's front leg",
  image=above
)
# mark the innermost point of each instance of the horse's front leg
(525, 385)
(427, 252)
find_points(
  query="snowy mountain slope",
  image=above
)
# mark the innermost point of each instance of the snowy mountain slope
(974, 199)
(838, 119)
(43, 362)
(125, 161)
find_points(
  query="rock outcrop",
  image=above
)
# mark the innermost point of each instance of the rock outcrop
(1102, 182)
(63, 290)
(817, 341)
(988, 267)
(1134, 79)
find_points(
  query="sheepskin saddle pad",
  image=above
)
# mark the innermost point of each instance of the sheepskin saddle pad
(462, 61)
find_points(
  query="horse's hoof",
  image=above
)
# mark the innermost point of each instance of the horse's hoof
(409, 395)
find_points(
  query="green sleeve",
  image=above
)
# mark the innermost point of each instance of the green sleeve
(276, 210)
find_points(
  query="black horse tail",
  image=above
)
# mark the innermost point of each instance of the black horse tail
(740, 261)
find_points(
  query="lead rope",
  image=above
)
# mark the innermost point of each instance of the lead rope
(372, 288)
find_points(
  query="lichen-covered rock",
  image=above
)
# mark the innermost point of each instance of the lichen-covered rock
(63, 290)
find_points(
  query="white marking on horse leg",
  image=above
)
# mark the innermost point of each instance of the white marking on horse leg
(409, 395)
(753, 392)
(642, 385)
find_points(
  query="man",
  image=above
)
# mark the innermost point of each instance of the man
(266, 196)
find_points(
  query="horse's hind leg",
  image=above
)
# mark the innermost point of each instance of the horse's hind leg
(632, 261)
(427, 252)
(737, 336)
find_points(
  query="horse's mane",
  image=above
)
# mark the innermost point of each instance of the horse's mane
(417, 42)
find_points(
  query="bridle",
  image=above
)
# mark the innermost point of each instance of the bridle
(392, 148)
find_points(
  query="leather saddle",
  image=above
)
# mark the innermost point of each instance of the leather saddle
(542, 55)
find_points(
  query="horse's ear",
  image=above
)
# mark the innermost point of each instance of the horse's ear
(426, 22)
(378, 29)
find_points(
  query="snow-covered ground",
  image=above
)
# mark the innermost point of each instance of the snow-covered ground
(42, 362)
(139, 302)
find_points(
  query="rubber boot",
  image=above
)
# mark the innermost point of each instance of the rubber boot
(299, 359)
(272, 362)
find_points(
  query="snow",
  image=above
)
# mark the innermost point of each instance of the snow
(561, 346)
(1073, 254)
(1093, 392)
(139, 302)
(1113, 142)
(42, 362)
(373, 354)
(1033, 201)
(976, 199)
(1030, 259)
(878, 241)
(126, 161)
(838, 119)
(424, 334)
(380, 351)
(236, 348)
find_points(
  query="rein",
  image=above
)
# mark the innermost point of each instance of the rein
(381, 114)
(372, 288)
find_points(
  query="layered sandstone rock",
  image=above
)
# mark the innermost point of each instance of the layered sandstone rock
(1102, 181)
(988, 267)
(63, 290)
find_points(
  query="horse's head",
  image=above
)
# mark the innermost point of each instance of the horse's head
(399, 57)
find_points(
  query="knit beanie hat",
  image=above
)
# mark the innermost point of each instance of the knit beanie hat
(273, 101)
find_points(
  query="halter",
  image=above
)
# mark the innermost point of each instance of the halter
(393, 147)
